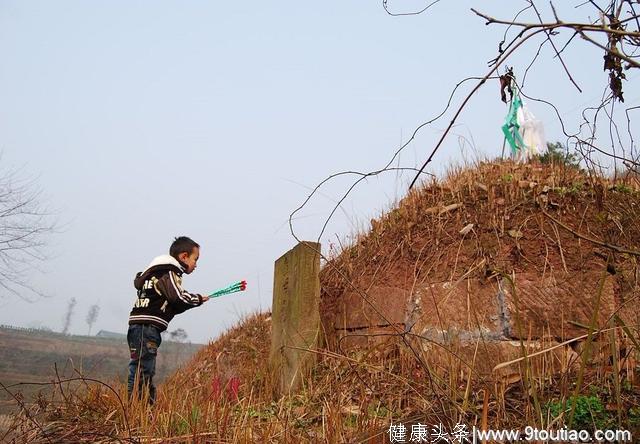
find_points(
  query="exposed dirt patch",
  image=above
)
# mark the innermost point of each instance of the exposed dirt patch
(494, 220)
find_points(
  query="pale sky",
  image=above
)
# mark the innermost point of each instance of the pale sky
(141, 121)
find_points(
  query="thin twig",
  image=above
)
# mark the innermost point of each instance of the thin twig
(590, 239)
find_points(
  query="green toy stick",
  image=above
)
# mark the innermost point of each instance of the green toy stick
(233, 288)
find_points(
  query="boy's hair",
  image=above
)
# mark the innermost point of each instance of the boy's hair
(182, 244)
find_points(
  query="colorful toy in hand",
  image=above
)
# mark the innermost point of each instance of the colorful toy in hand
(234, 288)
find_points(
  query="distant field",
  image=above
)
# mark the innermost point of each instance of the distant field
(31, 356)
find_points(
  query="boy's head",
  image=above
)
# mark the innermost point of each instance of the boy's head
(186, 251)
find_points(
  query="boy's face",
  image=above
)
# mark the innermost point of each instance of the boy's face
(190, 259)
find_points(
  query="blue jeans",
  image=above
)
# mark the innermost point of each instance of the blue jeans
(143, 340)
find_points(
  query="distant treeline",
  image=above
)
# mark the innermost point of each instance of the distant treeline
(27, 329)
(101, 335)
(47, 331)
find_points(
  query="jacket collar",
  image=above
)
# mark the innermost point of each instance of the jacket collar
(165, 259)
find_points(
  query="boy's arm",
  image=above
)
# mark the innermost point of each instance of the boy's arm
(169, 286)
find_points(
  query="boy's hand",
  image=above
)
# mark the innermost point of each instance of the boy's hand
(204, 298)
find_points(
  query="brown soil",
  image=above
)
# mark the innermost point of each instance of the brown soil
(518, 212)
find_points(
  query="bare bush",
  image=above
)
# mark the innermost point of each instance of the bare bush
(24, 225)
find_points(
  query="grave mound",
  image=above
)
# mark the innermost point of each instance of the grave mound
(488, 261)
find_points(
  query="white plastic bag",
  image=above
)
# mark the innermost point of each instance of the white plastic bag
(532, 133)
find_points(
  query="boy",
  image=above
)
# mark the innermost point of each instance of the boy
(160, 298)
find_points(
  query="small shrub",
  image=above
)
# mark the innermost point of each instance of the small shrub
(634, 416)
(589, 412)
(558, 154)
(622, 188)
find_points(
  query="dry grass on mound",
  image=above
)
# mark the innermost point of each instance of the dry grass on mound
(496, 218)
(346, 399)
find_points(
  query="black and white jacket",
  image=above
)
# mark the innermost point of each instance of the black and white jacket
(160, 293)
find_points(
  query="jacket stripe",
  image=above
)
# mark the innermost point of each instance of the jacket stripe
(148, 318)
(184, 295)
(178, 290)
